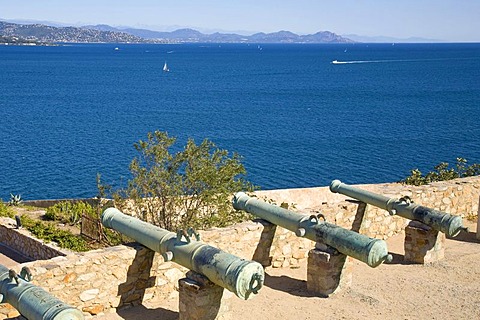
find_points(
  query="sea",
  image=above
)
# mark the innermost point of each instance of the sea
(298, 120)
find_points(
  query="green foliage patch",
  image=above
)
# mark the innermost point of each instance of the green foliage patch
(69, 212)
(48, 232)
(6, 211)
(443, 172)
(64, 212)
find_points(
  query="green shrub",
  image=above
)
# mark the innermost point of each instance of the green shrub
(443, 172)
(49, 232)
(190, 188)
(69, 212)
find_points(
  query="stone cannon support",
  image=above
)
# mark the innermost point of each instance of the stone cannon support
(423, 244)
(328, 271)
(201, 299)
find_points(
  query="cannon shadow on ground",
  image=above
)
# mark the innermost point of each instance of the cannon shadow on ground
(292, 286)
(142, 312)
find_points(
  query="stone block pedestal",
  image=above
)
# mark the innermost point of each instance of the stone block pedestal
(200, 299)
(328, 272)
(423, 244)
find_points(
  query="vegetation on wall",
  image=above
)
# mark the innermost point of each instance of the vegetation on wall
(48, 232)
(63, 212)
(69, 212)
(6, 211)
(443, 172)
(189, 188)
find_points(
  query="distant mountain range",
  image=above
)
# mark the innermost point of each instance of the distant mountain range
(384, 39)
(190, 35)
(108, 34)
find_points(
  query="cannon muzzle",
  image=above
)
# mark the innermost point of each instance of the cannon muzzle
(371, 251)
(242, 277)
(449, 224)
(31, 301)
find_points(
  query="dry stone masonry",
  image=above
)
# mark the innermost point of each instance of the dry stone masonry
(21, 241)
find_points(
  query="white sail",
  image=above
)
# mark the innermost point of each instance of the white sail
(165, 67)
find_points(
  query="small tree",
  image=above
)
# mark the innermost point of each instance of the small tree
(191, 188)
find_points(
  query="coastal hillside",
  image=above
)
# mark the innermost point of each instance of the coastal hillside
(108, 34)
(44, 33)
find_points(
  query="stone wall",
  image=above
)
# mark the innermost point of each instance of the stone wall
(22, 241)
(102, 280)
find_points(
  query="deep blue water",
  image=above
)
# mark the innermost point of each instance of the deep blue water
(70, 112)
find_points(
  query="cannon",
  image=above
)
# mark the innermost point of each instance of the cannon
(368, 250)
(31, 301)
(242, 277)
(449, 224)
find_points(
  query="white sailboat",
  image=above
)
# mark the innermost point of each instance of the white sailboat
(165, 67)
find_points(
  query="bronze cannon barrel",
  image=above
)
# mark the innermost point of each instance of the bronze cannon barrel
(31, 301)
(449, 224)
(368, 250)
(242, 277)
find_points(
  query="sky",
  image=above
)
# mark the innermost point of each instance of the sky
(446, 20)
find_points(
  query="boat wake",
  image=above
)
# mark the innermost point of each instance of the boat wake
(403, 60)
(363, 61)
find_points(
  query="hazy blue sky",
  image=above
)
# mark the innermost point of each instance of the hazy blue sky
(450, 20)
